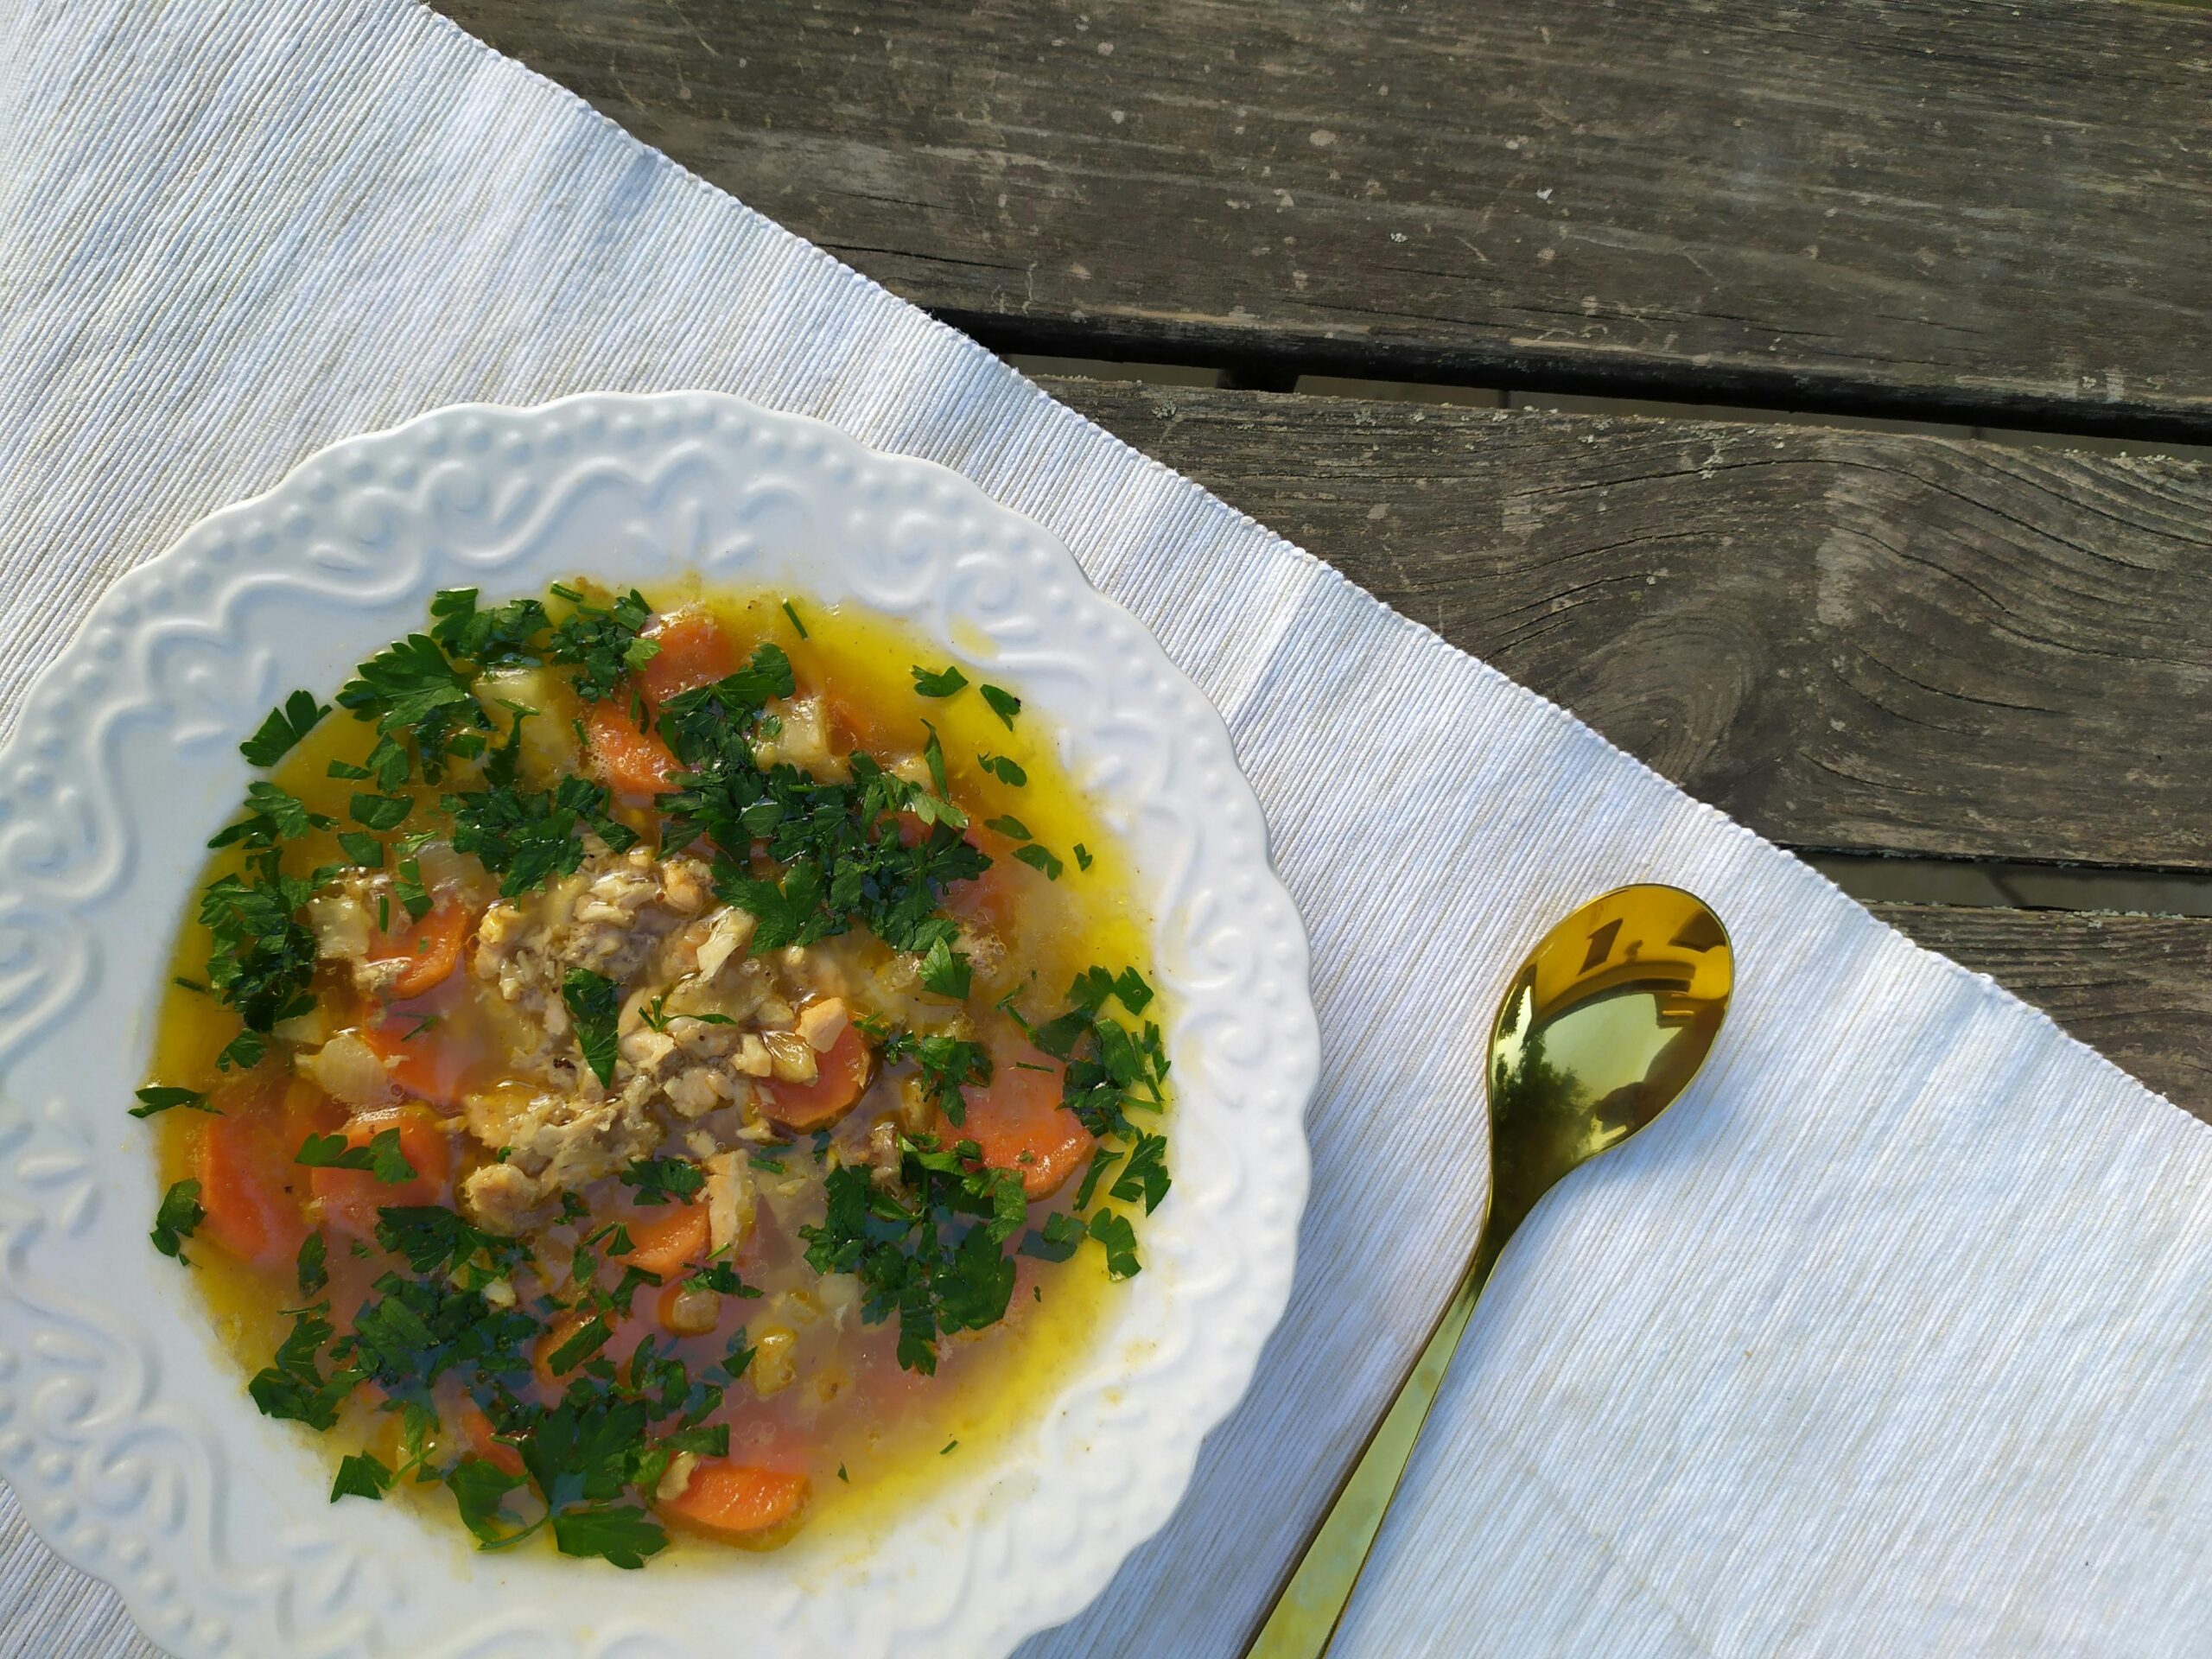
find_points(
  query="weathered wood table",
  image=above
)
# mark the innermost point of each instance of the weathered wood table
(1858, 641)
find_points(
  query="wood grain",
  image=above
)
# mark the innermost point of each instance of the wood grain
(2138, 988)
(1848, 639)
(1956, 208)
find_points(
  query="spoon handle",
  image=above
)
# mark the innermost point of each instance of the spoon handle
(1601, 1028)
(1306, 1613)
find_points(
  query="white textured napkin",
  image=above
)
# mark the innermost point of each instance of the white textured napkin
(1892, 1337)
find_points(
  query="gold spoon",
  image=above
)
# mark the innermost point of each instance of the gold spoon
(1605, 1024)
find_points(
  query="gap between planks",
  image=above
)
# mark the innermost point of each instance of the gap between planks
(1240, 377)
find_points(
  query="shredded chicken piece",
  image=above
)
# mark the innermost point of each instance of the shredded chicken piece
(500, 1199)
(610, 917)
(701, 1025)
(986, 953)
(344, 918)
(823, 1023)
(731, 1201)
(728, 932)
(802, 740)
(789, 1058)
(883, 1153)
(676, 1476)
(648, 1050)
(557, 1143)
(698, 1090)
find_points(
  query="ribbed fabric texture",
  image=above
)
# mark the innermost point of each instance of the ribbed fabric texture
(1890, 1338)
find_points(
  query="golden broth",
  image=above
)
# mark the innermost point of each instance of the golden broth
(991, 1385)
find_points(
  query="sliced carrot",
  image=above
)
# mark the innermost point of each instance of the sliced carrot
(666, 1243)
(351, 1197)
(1018, 1121)
(695, 651)
(476, 1434)
(840, 1078)
(730, 1499)
(253, 1192)
(625, 758)
(429, 947)
(418, 1060)
(857, 722)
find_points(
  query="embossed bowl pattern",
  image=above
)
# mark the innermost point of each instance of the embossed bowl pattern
(125, 1431)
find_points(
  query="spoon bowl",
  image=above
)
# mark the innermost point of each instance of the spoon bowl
(1599, 1031)
(1608, 1019)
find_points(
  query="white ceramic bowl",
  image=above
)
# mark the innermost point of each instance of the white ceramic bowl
(124, 1430)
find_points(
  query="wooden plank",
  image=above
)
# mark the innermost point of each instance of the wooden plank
(1851, 640)
(1964, 208)
(2139, 989)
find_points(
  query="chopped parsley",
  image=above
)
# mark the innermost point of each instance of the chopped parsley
(723, 1279)
(844, 858)
(381, 1158)
(941, 683)
(505, 633)
(261, 960)
(595, 1003)
(417, 697)
(526, 836)
(273, 817)
(154, 1098)
(244, 1051)
(176, 1218)
(312, 1265)
(380, 811)
(1003, 703)
(945, 971)
(1037, 858)
(738, 1356)
(1007, 770)
(286, 725)
(582, 1455)
(1113, 1232)
(437, 1241)
(293, 1387)
(361, 1474)
(361, 849)
(602, 643)
(1144, 1176)
(933, 1253)
(1112, 1071)
(796, 623)
(662, 1180)
(623, 1534)
(590, 1338)
(480, 1488)
(947, 1064)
